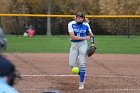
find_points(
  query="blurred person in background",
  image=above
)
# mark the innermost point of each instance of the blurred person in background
(3, 43)
(8, 73)
(31, 31)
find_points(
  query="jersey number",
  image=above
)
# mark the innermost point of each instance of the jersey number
(78, 34)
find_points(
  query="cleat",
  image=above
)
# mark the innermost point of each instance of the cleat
(81, 86)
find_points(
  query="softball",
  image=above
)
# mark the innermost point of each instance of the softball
(75, 70)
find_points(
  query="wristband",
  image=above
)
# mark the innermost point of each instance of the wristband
(92, 39)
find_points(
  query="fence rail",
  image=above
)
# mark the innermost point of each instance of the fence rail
(65, 16)
(57, 24)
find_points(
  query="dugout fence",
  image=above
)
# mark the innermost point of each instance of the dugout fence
(57, 24)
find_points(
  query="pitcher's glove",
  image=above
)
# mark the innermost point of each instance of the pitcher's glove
(91, 51)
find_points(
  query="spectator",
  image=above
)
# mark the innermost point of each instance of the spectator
(8, 73)
(3, 43)
(31, 31)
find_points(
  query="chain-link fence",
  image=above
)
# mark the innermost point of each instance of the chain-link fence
(58, 25)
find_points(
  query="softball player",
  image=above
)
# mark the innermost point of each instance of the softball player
(7, 70)
(3, 43)
(79, 32)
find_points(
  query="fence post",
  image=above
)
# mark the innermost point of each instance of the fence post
(128, 28)
(0, 22)
(17, 24)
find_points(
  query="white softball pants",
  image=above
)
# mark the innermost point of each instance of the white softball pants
(78, 50)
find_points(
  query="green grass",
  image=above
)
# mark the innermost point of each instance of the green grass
(118, 44)
(61, 44)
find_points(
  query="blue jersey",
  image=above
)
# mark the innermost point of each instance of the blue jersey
(5, 88)
(80, 30)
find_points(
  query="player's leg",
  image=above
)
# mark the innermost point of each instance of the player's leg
(73, 55)
(82, 60)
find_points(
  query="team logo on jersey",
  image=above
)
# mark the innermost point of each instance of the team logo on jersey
(76, 30)
(79, 31)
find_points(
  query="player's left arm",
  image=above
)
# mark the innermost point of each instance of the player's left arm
(92, 48)
(90, 34)
(92, 39)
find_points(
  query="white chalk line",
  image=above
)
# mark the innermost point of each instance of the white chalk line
(123, 89)
(70, 75)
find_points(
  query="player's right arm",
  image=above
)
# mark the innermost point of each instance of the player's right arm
(72, 35)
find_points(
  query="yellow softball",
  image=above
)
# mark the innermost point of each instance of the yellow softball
(75, 70)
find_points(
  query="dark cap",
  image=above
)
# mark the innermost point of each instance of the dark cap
(80, 14)
(6, 67)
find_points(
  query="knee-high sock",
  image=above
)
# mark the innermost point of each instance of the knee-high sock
(82, 74)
